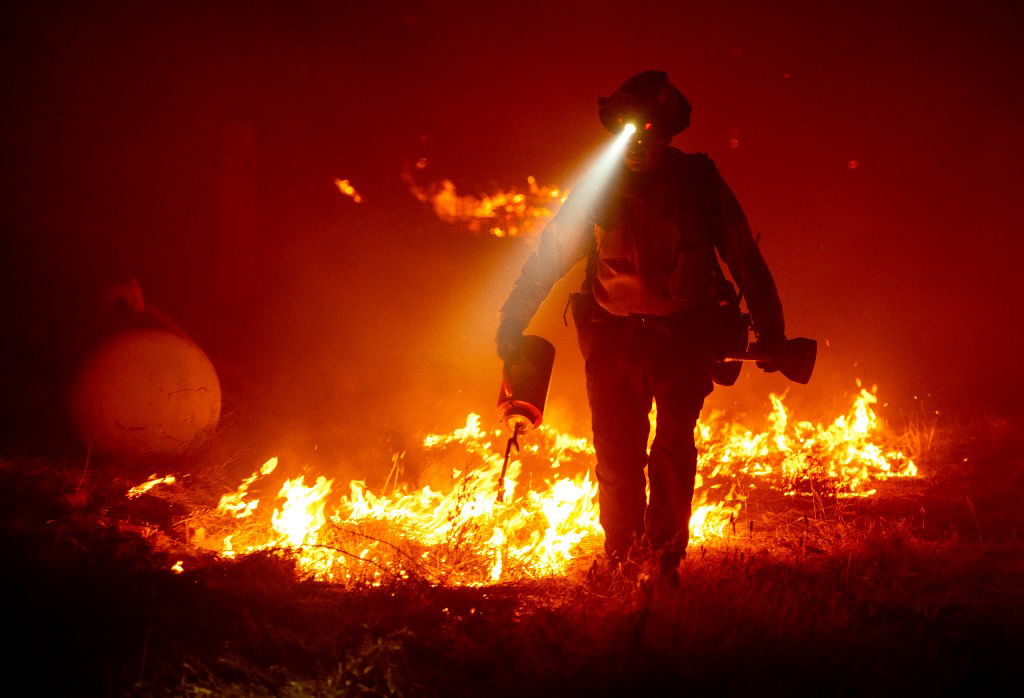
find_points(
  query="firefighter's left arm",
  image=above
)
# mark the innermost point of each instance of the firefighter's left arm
(738, 249)
(563, 242)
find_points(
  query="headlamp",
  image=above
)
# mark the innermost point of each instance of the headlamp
(650, 102)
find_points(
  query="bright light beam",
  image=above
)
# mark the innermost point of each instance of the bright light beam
(589, 187)
(572, 217)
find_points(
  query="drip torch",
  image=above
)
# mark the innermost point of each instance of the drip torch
(524, 390)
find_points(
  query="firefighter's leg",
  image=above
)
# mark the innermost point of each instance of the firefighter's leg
(620, 399)
(681, 381)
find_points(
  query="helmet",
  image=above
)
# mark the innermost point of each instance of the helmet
(649, 101)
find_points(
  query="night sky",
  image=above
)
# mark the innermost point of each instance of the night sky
(876, 147)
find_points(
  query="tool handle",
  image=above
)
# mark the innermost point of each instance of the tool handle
(747, 356)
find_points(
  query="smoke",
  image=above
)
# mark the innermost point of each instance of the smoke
(202, 147)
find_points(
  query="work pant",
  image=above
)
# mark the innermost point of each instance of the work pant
(631, 361)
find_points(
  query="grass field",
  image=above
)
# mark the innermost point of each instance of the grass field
(917, 590)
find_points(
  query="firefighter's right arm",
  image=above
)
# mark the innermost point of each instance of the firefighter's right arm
(736, 244)
(739, 250)
(564, 241)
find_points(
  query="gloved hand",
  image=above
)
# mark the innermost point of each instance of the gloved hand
(772, 346)
(509, 340)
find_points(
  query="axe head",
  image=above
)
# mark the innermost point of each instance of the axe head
(796, 360)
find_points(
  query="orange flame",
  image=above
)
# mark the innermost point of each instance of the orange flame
(234, 503)
(840, 459)
(346, 188)
(510, 213)
(460, 534)
(149, 484)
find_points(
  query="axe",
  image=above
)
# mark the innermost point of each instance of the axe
(795, 360)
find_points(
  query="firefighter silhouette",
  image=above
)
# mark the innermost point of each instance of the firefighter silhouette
(648, 315)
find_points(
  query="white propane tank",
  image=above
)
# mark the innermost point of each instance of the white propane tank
(145, 390)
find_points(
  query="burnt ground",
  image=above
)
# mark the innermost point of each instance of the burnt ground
(917, 590)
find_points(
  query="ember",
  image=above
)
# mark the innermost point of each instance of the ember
(149, 484)
(346, 188)
(461, 535)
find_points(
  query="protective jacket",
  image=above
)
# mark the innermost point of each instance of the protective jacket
(651, 244)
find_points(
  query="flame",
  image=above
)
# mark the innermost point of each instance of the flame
(178, 567)
(839, 459)
(346, 188)
(510, 213)
(149, 484)
(234, 503)
(461, 534)
(302, 515)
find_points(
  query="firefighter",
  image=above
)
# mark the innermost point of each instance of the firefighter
(648, 313)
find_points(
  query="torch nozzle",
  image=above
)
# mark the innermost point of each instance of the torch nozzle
(512, 441)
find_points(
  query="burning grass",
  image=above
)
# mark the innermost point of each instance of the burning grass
(915, 589)
(510, 213)
(454, 531)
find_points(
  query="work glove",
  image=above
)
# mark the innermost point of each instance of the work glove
(509, 340)
(772, 346)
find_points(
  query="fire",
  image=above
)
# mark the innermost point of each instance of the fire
(149, 484)
(460, 534)
(302, 516)
(510, 213)
(839, 459)
(234, 503)
(346, 188)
